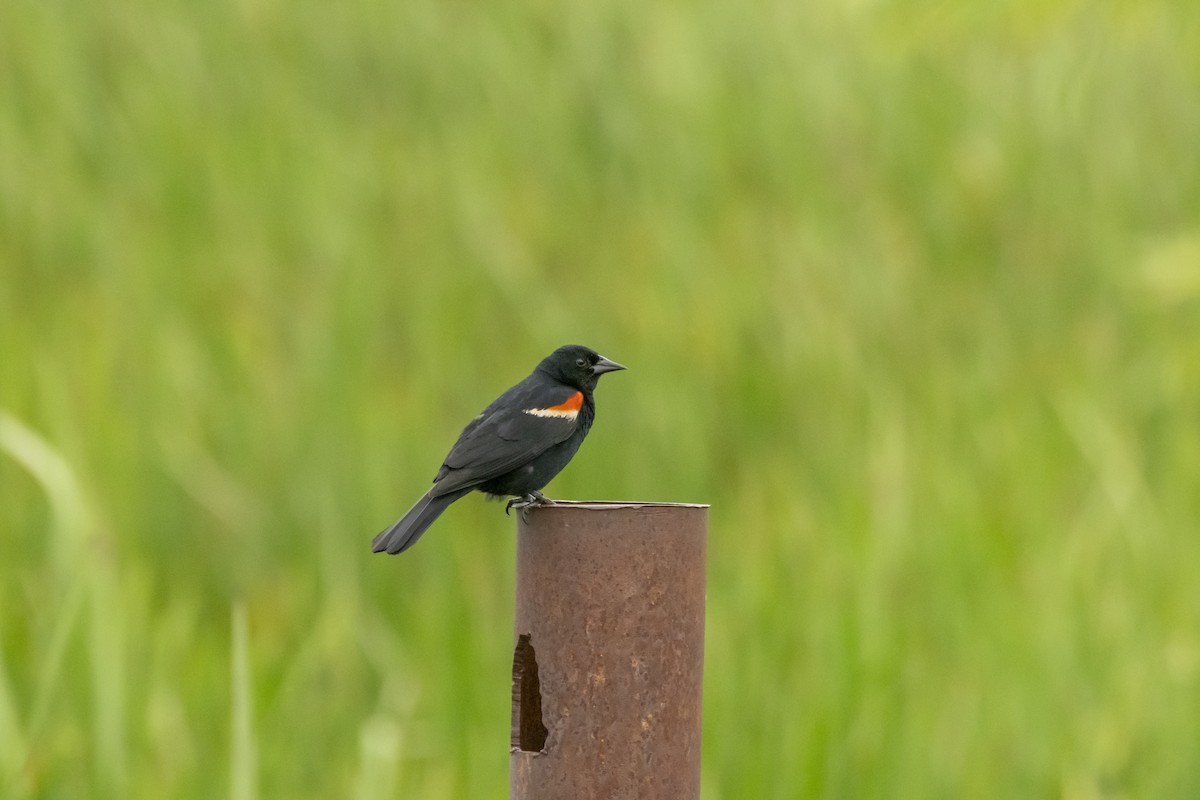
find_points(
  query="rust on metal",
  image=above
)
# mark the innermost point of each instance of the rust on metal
(609, 657)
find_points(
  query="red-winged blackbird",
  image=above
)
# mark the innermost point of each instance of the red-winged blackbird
(519, 442)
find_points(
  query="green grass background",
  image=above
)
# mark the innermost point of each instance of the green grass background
(909, 291)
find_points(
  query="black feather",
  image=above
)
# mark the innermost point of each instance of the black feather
(404, 533)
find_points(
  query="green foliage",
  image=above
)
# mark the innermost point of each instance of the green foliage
(910, 292)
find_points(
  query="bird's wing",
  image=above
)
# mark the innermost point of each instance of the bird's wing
(523, 423)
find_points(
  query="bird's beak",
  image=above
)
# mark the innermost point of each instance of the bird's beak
(604, 365)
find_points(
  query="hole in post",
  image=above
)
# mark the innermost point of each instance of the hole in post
(528, 732)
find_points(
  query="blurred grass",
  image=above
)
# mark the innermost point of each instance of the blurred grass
(909, 291)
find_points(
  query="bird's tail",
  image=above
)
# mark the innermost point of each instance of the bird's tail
(405, 532)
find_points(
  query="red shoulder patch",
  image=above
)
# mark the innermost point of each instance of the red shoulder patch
(572, 403)
(568, 409)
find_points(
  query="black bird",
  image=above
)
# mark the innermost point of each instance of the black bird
(519, 442)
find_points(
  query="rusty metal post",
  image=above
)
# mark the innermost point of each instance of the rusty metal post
(609, 652)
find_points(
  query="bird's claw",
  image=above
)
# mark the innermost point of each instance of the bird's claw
(526, 502)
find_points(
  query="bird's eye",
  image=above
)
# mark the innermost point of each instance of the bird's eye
(581, 362)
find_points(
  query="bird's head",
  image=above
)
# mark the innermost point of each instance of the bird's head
(578, 366)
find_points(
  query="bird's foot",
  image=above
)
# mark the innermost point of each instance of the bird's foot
(526, 502)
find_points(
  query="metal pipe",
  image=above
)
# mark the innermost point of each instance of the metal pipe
(609, 656)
